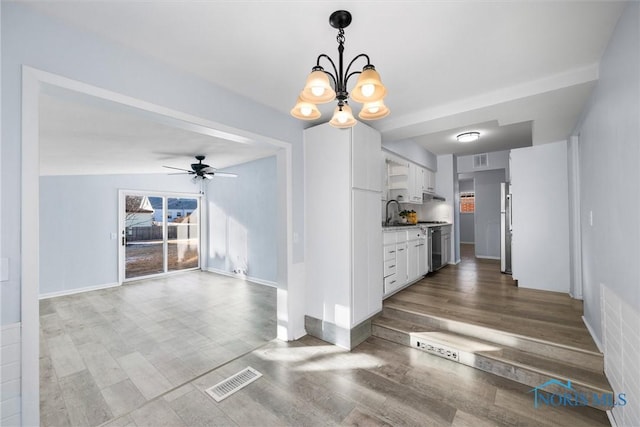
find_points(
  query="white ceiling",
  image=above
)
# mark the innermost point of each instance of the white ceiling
(448, 66)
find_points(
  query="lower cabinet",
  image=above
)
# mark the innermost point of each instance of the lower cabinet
(405, 259)
(446, 245)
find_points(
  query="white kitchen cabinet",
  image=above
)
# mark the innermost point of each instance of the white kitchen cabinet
(416, 174)
(429, 184)
(402, 266)
(423, 265)
(412, 260)
(343, 236)
(446, 245)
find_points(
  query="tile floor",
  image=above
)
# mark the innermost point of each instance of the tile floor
(106, 353)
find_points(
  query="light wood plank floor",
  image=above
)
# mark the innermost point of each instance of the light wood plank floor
(475, 291)
(107, 352)
(305, 383)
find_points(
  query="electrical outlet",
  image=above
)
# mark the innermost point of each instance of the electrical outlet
(436, 349)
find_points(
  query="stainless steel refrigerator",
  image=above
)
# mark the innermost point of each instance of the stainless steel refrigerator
(506, 228)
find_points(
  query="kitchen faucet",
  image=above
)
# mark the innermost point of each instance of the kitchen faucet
(387, 218)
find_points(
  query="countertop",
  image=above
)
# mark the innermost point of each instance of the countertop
(410, 226)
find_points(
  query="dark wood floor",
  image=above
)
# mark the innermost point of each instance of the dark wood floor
(476, 292)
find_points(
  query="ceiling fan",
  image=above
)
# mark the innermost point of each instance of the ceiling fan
(201, 170)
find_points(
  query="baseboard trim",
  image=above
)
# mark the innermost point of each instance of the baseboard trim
(593, 335)
(612, 419)
(240, 276)
(77, 291)
(487, 257)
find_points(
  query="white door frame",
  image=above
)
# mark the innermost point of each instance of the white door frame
(290, 276)
(575, 235)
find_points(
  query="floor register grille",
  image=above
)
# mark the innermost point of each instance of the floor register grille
(226, 388)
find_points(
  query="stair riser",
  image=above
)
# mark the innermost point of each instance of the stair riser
(498, 367)
(594, 362)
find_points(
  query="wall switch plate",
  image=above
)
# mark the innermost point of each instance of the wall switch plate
(591, 218)
(4, 269)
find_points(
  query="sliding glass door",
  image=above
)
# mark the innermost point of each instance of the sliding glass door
(160, 234)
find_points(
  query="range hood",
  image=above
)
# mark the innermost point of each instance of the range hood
(430, 196)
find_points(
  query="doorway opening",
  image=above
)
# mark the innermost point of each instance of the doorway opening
(160, 234)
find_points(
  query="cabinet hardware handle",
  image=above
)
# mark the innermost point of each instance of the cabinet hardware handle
(392, 252)
(392, 282)
(400, 250)
(392, 266)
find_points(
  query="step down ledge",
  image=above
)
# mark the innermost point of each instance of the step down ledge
(596, 357)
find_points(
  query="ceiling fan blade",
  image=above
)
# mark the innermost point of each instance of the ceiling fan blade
(180, 169)
(208, 169)
(207, 176)
(181, 173)
(226, 174)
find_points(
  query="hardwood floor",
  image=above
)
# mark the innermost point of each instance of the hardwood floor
(476, 292)
(105, 353)
(126, 357)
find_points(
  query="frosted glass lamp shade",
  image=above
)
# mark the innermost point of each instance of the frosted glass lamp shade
(318, 89)
(305, 110)
(342, 118)
(374, 110)
(369, 87)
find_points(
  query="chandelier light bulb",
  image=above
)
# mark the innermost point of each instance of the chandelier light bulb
(317, 90)
(305, 111)
(368, 89)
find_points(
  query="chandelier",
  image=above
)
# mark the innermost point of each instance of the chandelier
(318, 89)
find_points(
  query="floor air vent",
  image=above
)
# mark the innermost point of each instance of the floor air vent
(227, 387)
(437, 349)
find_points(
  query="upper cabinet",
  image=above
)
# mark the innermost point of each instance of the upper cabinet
(365, 155)
(407, 181)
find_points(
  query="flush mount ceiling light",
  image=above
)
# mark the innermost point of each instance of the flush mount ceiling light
(468, 136)
(368, 90)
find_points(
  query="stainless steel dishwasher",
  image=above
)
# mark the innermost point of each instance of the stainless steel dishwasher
(436, 247)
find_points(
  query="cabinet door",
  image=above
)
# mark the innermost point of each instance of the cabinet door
(401, 264)
(366, 155)
(367, 260)
(446, 248)
(429, 181)
(412, 260)
(422, 258)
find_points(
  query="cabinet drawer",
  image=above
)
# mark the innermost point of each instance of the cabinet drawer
(390, 283)
(389, 267)
(389, 253)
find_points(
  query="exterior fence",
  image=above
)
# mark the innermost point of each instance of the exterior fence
(154, 232)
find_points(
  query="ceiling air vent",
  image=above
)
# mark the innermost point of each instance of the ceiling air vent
(480, 160)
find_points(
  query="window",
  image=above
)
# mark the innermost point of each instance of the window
(467, 202)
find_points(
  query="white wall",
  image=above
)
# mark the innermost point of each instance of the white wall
(10, 381)
(242, 220)
(610, 177)
(77, 216)
(540, 241)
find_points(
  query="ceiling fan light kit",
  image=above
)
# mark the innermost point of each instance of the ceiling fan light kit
(201, 170)
(324, 86)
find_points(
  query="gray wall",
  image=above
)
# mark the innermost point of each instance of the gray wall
(47, 44)
(467, 229)
(487, 215)
(496, 160)
(77, 216)
(244, 208)
(609, 173)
